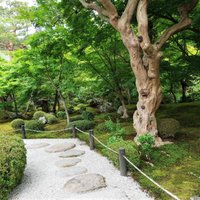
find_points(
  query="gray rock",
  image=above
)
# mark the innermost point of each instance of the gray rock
(60, 147)
(43, 120)
(37, 145)
(71, 153)
(120, 110)
(85, 183)
(67, 162)
(71, 171)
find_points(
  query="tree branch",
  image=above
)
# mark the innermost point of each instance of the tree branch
(142, 20)
(110, 8)
(94, 6)
(128, 12)
(183, 23)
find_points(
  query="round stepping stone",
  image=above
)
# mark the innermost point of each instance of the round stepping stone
(37, 145)
(85, 183)
(71, 171)
(60, 147)
(71, 153)
(68, 162)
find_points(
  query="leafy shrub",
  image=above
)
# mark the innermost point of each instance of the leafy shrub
(114, 128)
(83, 124)
(39, 114)
(51, 119)
(76, 118)
(61, 115)
(168, 127)
(34, 125)
(102, 128)
(12, 163)
(17, 123)
(87, 115)
(146, 145)
(130, 149)
(113, 139)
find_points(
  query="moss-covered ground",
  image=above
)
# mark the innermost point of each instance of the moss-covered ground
(175, 166)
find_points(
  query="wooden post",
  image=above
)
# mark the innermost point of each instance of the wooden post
(122, 162)
(92, 145)
(74, 131)
(23, 131)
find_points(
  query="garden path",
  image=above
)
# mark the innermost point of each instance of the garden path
(59, 169)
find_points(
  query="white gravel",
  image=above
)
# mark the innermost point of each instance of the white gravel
(41, 183)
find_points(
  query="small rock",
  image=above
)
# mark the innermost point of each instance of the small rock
(71, 153)
(43, 120)
(85, 183)
(60, 147)
(37, 145)
(82, 143)
(71, 171)
(68, 162)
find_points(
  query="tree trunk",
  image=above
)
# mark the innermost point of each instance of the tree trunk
(15, 104)
(147, 75)
(65, 106)
(172, 92)
(184, 89)
(125, 114)
(55, 102)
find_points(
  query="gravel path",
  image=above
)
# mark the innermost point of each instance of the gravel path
(41, 182)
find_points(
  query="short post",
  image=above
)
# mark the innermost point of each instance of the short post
(23, 131)
(74, 131)
(92, 145)
(122, 162)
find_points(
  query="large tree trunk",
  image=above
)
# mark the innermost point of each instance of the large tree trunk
(147, 75)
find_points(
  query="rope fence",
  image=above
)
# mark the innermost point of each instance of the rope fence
(123, 160)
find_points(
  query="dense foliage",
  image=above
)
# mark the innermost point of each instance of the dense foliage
(12, 163)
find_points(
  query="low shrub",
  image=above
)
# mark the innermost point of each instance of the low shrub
(61, 114)
(102, 128)
(76, 118)
(146, 145)
(34, 125)
(130, 149)
(168, 127)
(12, 163)
(87, 115)
(83, 124)
(51, 119)
(17, 123)
(39, 114)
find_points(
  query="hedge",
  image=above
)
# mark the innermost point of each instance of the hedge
(12, 163)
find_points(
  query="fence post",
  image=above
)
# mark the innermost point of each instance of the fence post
(122, 162)
(23, 131)
(92, 145)
(74, 131)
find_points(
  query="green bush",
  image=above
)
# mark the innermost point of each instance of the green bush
(83, 124)
(12, 163)
(51, 119)
(87, 115)
(34, 125)
(76, 118)
(146, 145)
(17, 123)
(130, 149)
(39, 114)
(102, 128)
(61, 114)
(168, 127)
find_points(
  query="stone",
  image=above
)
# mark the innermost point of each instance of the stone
(43, 120)
(120, 110)
(67, 162)
(82, 143)
(85, 183)
(71, 153)
(60, 147)
(71, 171)
(37, 145)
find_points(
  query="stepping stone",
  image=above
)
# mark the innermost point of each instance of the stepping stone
(71, 171)
(71, 153)
(68, 162)
(37, 145)
(82, 143)
(60, 147)
(85, 183)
